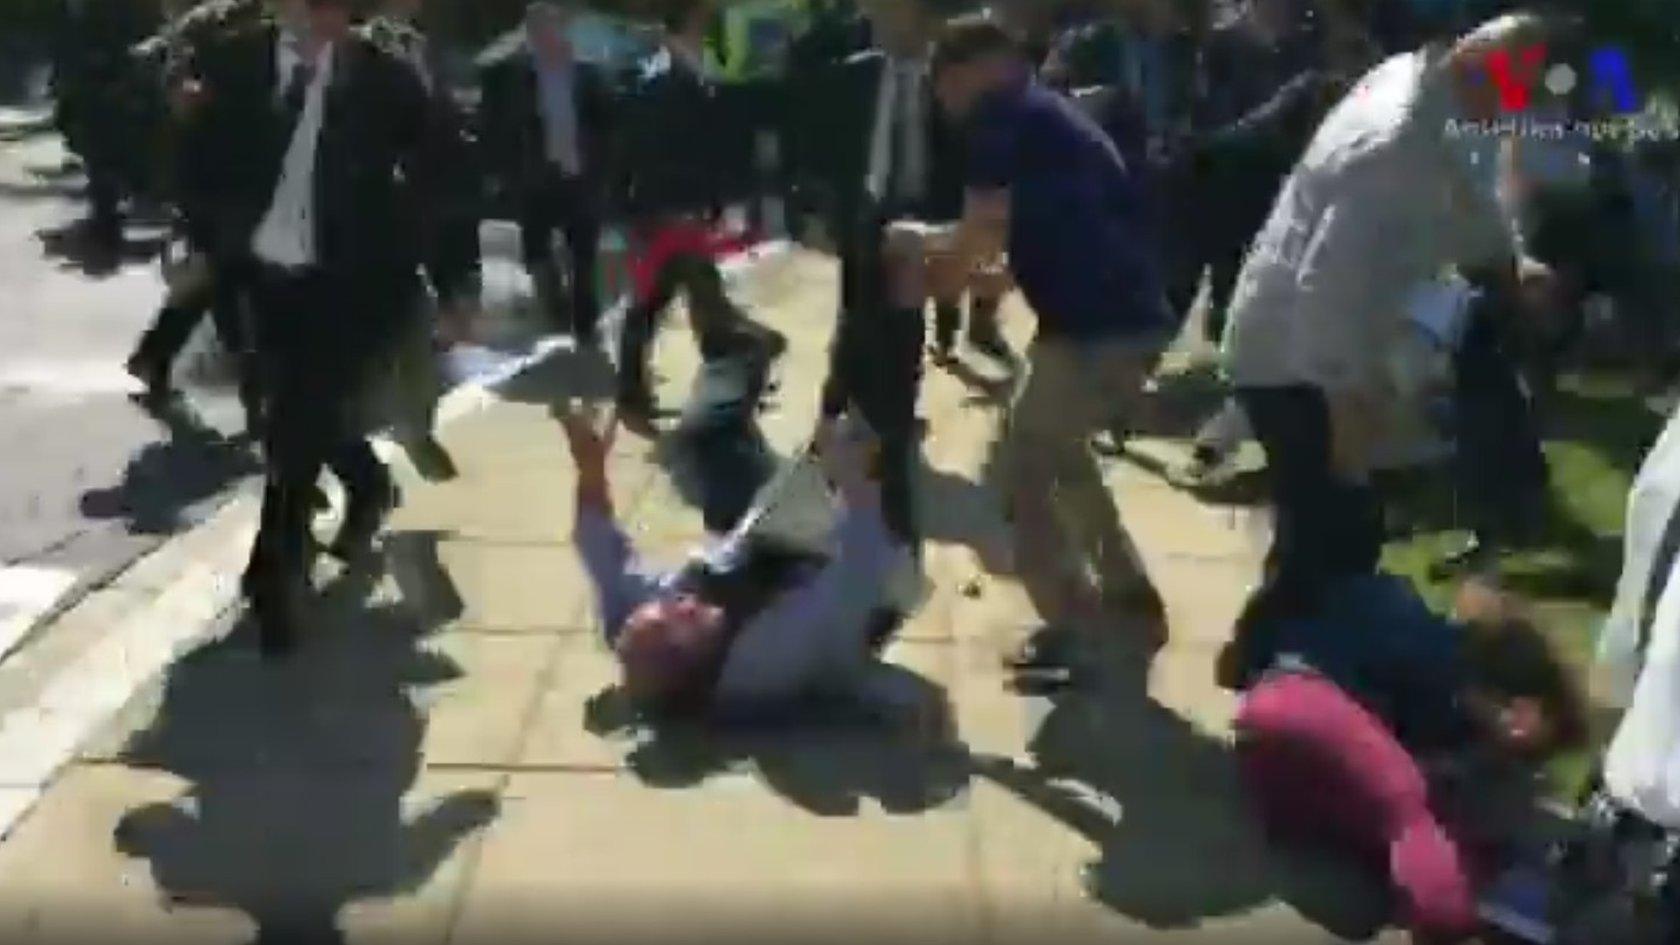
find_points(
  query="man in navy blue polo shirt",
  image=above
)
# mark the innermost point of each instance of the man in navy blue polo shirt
(1048, 188)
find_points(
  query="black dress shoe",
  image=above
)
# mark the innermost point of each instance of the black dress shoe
(432, 461)
(363, 520)
(153, 375)
(637, 411)
(1049, 648)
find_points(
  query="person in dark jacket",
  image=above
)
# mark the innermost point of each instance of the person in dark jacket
(548, 127)
(448, 207)
(99, 102)
(894, 158)
(209, 280)
(312, 136)
(674, 196)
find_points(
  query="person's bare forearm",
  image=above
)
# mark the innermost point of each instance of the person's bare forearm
(594, 492)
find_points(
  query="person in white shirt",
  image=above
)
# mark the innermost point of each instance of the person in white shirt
(318, 129)
(1383, 199)
(1639, 648)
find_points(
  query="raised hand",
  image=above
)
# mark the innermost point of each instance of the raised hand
(590, 444)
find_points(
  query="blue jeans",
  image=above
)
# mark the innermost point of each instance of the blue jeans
(719, 443)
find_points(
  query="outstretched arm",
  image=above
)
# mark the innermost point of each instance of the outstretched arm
(621, 583)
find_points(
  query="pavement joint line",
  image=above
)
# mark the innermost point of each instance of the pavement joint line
(537, 630)
(39, 741)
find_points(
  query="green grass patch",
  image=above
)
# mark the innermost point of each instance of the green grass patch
(1598, 434)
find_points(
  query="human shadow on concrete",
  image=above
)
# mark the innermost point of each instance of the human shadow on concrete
(168, 478)
(824, 759)
(297, 774)
(1161, 800)
(75, 247)
(569, 374)
(426, 589)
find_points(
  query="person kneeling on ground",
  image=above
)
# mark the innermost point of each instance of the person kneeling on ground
(1392, 735)
(745, 625)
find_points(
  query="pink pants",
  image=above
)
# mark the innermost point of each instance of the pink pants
(1324, 770)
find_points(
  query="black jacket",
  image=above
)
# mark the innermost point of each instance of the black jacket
(511, 125)
(873, 352)
(675, 134)
(374, 140)
(847, 100)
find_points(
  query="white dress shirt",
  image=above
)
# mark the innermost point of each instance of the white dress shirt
(1639, 649)
(557, 101)
(900, 116)
(1384, 199)
(286, 236)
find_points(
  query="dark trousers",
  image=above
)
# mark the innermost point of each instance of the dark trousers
(719, 325)
(1500, 466)
(454, 261)
(982, 320)
(719, 443)
(567, 205)
(319, 336)
(1324, 528)
(222, 296)
(876, 367)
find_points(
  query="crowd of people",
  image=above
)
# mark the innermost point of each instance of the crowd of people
(1287, 170)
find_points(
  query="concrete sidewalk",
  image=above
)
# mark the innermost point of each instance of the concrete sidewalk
(445, 761)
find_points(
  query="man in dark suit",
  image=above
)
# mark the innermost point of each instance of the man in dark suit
(451, 257)
(547, 126)
(209, 281)
(892, 158)
(315, 131)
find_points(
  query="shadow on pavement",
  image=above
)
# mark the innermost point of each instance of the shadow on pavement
(298, 772)
(76, 248)
(1162, 801)
(424, 584)
(825, 761)
(571, 374)
(166, 478)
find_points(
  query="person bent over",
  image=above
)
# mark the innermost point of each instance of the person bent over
(1394, 737)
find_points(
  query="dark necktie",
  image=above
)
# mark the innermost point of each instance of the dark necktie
(296, 91)
(898, 152)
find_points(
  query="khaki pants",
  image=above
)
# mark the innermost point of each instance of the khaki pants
(1066, 525)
